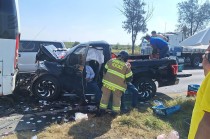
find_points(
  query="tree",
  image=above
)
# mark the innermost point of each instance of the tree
(193, 16)
(136, 18)
(75, 43)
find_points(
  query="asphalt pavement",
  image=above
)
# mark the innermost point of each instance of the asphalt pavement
(186, 77)
(24, 113)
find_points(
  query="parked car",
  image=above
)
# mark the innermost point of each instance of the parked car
(55, 75)
(27, 53)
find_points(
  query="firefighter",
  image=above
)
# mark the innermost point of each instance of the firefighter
(117, 73)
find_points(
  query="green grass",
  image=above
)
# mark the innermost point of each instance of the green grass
(154, 125)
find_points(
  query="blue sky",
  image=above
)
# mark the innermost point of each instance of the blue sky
(88, 20)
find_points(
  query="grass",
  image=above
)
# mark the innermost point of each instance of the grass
(138, 123)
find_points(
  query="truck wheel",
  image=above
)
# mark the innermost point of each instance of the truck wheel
(146, 88)
(46, 88)
(195, 61)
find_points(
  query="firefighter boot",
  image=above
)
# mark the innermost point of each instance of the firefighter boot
(100, 112)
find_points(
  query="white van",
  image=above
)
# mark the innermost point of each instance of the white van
(9, 43)
(28, 50)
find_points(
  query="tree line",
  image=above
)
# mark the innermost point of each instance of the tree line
(193, 16)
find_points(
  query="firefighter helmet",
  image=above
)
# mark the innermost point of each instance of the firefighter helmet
(123, 55)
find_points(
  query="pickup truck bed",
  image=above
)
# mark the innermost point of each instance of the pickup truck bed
(161, 70)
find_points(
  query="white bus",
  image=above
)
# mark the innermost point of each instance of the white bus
(9, 43)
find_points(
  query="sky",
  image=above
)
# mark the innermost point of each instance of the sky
(89, 20)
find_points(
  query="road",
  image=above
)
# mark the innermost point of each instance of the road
(181, 88)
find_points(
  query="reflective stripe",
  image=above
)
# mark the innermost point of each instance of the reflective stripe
(114, 85)
(119, 62)
(106, 67)
(116, 73)
(104, 106)
(129, 74)
(109, 87)
(115, 108)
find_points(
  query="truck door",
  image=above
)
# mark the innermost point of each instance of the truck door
(1, 89)
(75, 65)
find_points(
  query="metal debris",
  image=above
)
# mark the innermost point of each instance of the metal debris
(65, 120)
(34, 137)
(44, 116)
(27, 109)
(92, 108)
(79, 116)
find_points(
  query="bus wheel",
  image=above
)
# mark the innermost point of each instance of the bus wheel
(195, 61)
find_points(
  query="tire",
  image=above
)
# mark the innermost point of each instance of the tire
(195, 61)
(147, 89)
(46, 88)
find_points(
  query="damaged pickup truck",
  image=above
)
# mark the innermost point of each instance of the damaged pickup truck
(56, 76)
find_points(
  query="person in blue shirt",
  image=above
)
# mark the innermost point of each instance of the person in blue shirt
(89, 73)
(92, 86)
(159, 44)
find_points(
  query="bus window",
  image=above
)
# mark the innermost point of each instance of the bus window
(8, 19)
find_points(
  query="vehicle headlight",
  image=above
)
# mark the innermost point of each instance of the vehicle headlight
(42, 66)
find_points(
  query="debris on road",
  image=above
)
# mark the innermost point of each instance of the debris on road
(172, 135)
(79, 116)
(161, 110)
